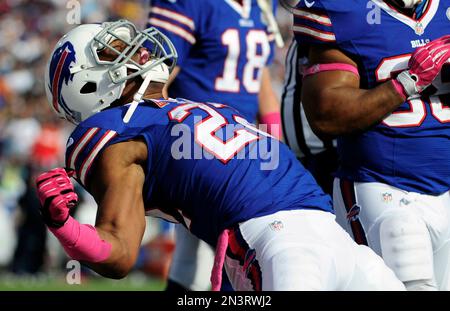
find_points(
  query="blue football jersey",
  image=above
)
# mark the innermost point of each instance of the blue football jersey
(207, 167)
(222, 47)
(410, 148)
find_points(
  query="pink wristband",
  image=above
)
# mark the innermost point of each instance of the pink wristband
(399, 88)
(82, 242)
(273, 121)
(329, 67)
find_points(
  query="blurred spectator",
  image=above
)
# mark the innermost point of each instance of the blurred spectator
(30, 250)
(47, 150)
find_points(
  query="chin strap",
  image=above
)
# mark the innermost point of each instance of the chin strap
(157, 75)
(137, 98)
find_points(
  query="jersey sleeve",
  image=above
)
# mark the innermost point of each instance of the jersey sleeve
(330, 22)
(313, 26)
(92, 136)
(86, 144)
(179, 20)
(84, 147)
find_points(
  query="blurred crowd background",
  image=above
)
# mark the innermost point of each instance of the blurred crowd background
(32, 139)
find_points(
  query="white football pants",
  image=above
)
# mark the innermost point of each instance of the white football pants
(302, 250)
(411, 231)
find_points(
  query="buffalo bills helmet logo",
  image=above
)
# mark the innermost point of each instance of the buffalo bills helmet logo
(59, 73)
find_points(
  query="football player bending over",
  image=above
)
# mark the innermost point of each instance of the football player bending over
(273, 226)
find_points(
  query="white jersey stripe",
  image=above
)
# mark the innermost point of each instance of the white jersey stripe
(318, 34)
(288, 99)
(90, 159)
(297, 131)
(174, 16)
(173, 28)
(320, 19)
(82, 143)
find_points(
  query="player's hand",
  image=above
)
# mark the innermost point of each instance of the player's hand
(424, 66)
(57, 196)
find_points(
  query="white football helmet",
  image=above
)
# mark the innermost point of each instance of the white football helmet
(78, 84)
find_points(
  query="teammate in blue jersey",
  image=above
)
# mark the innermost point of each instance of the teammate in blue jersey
(224, 50)
(378, 79)
(135, 152)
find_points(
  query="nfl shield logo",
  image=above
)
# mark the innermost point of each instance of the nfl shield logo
(276, 225)
(419, 29)
(387, 197)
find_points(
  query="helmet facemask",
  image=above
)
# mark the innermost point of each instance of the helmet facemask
(124, 68)
(162, 51)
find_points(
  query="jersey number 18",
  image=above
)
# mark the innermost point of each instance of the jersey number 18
(229, 81)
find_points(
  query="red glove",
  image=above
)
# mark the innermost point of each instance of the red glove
(57, 196)
(424, 66)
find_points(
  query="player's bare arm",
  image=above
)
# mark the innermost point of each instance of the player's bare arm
(110, 248)
(269, 105)
(268, 102)
(334, 102)
(116, 185)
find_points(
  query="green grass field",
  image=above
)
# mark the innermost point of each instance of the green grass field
(134, 282)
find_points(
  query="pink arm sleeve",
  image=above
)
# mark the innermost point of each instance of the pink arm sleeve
(82, 242)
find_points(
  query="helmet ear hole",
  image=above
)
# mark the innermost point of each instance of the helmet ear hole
(88, 88)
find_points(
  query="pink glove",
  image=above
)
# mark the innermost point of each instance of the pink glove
(57, 196)
(424, 66)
